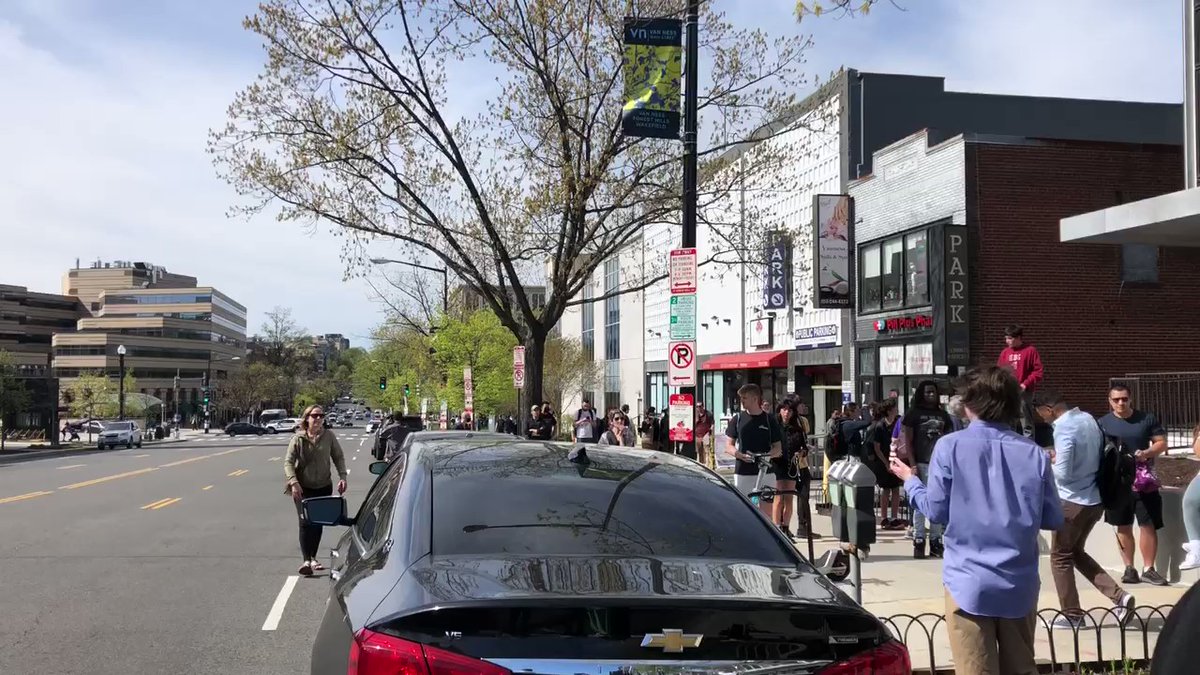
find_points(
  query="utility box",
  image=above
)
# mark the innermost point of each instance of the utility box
(852, 496)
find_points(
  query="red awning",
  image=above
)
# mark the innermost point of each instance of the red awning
(747, 360)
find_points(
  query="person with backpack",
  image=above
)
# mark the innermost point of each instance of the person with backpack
(1141, 435)
(751, 432)
(1078, 450)
(923, 424)
(585, 429)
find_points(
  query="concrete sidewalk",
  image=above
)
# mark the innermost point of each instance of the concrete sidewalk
(909, 595)
(19, 452)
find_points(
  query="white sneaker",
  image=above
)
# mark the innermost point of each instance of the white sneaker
(1124, 609)
(1192, 560)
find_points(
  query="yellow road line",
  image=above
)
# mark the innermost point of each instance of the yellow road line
(274, 459)
(27, 495)
(174, 500)
(153, 504)
(207, 487)
(239, 472)
(105, 479)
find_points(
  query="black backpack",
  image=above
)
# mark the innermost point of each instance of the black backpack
(1117, 469)
(854, 438)
(835, 444)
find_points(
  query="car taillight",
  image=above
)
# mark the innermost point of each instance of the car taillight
(891, 658)
(378, 654)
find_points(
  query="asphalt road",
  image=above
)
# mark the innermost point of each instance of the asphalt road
(165, 559)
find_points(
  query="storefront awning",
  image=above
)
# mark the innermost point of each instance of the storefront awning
(747, 360)
(1166, 220)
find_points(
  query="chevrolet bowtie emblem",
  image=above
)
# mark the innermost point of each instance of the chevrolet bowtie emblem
(672, 640)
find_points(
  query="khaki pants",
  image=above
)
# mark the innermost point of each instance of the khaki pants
(1067, 554)
(983, 645)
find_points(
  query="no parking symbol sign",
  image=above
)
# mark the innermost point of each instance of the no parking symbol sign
(681, 364)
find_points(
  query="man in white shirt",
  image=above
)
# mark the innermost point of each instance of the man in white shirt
(585, 424)
(1078, 446)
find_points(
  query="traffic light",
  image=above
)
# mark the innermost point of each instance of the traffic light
(406, 391)
(206, 396)
(382, 383)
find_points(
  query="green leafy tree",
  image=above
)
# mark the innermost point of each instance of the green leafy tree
(483, 344)
(91, 396)
(351, 123)
(14, 396)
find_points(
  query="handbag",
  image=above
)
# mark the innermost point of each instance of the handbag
(1144, 479)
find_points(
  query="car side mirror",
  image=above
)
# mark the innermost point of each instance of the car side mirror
(378, 468)
(329, 511)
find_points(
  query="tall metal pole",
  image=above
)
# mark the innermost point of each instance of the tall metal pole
(445, 291)
(204, 390)
(691, 83)
(121, 388)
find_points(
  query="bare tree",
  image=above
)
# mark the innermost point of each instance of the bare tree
(351, 123)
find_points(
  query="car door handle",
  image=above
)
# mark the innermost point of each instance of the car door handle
(335, 574)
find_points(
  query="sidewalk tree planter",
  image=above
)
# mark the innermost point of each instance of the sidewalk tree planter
(1174, 473)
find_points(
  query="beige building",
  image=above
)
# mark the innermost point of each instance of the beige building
(28, 320)
(168, 325)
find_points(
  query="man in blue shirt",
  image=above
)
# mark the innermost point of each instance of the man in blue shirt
(1078, 446)
(995, 490)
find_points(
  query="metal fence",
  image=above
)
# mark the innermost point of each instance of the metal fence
(1174, 398)
(1103, 645)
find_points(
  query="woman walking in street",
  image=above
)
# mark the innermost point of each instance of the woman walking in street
(306, 468)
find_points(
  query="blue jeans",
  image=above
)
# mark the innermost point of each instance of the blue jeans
(1191, 509)
(935, 530)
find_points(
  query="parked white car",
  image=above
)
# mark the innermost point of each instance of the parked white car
(120, 433)
(286, 425)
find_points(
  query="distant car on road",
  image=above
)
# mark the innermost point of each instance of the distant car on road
(244, 429)
(286, 425)
(492, 557)
(120, 433)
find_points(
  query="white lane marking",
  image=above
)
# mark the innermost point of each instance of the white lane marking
(356, 457)
(71, 466)
(360, 443)
(276, 612)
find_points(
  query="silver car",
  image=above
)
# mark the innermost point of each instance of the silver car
(120, 433)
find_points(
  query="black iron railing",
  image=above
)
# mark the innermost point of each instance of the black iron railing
(1174, 398)
(1100, 644)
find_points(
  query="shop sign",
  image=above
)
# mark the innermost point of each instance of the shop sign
(833, 234)
(761, 331)
(901, 324)
(918, 359)
(958, 314)
(891, 360)
(815, 337)
(778, 291)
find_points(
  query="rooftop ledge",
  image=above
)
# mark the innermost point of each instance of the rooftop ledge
(1167, 220)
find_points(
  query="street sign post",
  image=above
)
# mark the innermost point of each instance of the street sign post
(518, 356)
(683, 270)
(519, 377)
(682, 417)
(468, 391)
(683, 317)
(681, 364)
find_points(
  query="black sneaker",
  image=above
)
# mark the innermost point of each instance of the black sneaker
(918, 549)
(885, 524)
(787, 532)
(1130, 576)
(935, 548)
(1152, 577)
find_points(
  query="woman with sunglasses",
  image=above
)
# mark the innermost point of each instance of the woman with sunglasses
(618, 432)
(306, 468)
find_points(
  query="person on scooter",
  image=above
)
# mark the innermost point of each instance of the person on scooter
(752, 432)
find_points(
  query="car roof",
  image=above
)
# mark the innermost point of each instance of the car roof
(505, 448)
(466, 436)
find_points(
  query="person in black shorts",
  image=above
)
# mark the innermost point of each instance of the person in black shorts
(1140, 433)
(879, 447)
(753, 431)
(787, 469)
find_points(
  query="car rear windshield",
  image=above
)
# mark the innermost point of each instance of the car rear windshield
(529, 499)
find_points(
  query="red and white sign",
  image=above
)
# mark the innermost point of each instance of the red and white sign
(468, 391)
(519, 376)
(761, 332)
(683, 270)
(518, 356)
(681, 364)
(682, 417)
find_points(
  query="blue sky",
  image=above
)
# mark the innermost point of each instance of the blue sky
(108, 104)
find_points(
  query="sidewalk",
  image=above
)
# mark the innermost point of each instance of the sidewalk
(908, 594)
(17, 452)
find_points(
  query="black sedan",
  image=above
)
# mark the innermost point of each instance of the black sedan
(244, 429)
(485, 556)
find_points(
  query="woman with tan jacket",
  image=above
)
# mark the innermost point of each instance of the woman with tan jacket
(306, 468)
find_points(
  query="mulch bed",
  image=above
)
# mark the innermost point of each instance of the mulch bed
(1176, 471)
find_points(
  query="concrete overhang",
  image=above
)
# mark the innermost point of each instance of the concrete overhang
(1167, 220)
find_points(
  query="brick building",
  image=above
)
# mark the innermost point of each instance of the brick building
(958, 237)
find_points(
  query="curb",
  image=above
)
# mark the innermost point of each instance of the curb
(17, 457)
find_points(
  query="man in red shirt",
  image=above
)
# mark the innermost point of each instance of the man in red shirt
(1026, 364)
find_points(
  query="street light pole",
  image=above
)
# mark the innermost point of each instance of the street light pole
(440, 270)
(121, 389)
(691, 82)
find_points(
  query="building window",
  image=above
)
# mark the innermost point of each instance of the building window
(1139, 263)
(587, 331)
(866, 361)
(612, 310)
(895, 273)
(872, 283)
(612, 385)
(916, 265)
(893, 276)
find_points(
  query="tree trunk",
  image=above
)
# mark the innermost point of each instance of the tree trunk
(535, 369)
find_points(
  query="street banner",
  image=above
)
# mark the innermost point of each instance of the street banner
(682, 418)
(777, 291)
(653, 69)
(834, 233)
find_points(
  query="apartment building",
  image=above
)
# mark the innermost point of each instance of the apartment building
(183, 330)
(326, 348)
(28, 321)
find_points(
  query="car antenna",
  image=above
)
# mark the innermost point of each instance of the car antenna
(579, 455)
